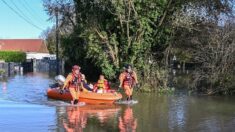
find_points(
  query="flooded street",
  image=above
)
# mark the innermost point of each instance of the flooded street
(24, 106)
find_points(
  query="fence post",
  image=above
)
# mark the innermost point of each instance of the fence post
(9, 69)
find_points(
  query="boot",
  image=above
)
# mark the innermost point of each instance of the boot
(131, 97)
(127, 99)
(75, 101)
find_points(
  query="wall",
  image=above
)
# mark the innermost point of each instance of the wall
(38, 56)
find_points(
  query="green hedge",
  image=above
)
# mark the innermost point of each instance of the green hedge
(12, 56)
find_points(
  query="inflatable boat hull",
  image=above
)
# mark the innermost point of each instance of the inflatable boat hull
(87, 97)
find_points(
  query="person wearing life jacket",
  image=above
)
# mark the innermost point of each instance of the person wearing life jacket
(102, 85)
(128, 79)
(73, 83)
(86, 87)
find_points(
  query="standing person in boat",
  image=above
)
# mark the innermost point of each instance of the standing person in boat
(128, 79)
(73, 83)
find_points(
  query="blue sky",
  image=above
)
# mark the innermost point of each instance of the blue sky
(12, 26)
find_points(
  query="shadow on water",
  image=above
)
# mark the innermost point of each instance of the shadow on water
(153, 112)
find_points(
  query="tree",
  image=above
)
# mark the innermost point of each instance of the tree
(49, 37)
(110, 33)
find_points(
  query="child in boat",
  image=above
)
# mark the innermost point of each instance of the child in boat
(86, 87)
(102, 85)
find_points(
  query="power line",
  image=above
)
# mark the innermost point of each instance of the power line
(32, 9)
(30, 12)
(21, 12)
(21, 15)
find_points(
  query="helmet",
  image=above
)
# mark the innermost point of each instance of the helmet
(127, 66)
(76, 67)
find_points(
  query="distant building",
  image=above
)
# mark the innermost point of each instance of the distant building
(34, 48)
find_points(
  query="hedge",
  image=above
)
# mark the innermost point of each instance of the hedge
(12, 56)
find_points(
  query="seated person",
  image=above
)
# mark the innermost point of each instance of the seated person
(86, 87)
(102, 85)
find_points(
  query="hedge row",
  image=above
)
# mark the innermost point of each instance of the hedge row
(12, 56)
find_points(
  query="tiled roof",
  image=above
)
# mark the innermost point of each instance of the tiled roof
(24, 45)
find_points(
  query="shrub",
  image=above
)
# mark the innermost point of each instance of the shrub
(12, 56)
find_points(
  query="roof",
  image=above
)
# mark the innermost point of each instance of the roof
(24, 45)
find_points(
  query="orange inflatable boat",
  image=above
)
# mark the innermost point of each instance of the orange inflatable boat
(87, 97)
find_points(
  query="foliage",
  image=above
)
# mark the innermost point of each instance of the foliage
(216, 74)
(103, 35)
(12, 56)
(2, 71)
(49, 37)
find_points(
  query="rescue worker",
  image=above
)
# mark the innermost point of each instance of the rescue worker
(128, 79)
(73, 83)
(102, 85)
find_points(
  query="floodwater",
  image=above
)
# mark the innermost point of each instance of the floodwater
(25, 107)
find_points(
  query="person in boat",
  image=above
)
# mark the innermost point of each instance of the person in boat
(86, 87)
(102, 85)
(128, 79)
(73, 83)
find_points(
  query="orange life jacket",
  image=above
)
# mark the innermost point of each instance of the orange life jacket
(129, 79)
(75, 81)
(103, 84)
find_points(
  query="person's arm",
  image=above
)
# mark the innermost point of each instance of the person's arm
(121, 77)
(85, 85)
(67, 80)
(135, 77)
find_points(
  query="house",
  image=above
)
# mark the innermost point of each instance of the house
(34, 48)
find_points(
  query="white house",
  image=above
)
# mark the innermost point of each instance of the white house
(34, 48)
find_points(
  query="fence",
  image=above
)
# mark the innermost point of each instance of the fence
(45, 66)
(9, 68)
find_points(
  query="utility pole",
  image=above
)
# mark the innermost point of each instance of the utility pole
(57, 43)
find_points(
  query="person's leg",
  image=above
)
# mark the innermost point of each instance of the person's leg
(127, 91)
(131, 92)
(77, 96)
(73, 94)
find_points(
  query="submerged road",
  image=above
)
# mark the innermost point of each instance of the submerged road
(23, 117)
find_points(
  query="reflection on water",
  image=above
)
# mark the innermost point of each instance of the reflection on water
(77, 119)
(176, 113)
(127, 122)
(97, 118)
(28, 88)
(4, 87)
